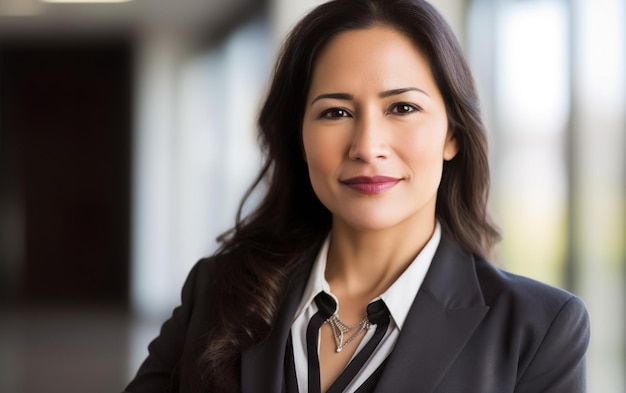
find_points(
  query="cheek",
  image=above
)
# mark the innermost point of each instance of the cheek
(424, 157)
(320, 169)
(424, 138)
(422, 147)
(322, 151)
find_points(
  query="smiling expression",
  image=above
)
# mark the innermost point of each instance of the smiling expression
(375, 131)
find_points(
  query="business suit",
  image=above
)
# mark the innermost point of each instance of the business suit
(472, 329)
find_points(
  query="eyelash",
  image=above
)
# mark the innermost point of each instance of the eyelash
(337, 113)
(411, 108)
(330, 112)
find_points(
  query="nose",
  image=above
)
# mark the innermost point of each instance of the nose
(368, 140)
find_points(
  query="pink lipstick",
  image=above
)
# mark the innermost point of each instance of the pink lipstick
(370, 185)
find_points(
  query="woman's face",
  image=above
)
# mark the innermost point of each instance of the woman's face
(375, 131)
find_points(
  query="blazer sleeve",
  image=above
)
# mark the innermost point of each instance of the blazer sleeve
(558, 366)
(165, 352)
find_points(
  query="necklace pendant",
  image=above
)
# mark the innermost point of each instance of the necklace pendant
(339, 342)
(339, 328)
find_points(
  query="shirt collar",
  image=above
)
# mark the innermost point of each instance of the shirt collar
(317, 282)
(400, 295)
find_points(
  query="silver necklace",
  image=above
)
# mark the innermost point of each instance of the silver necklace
(340, 329)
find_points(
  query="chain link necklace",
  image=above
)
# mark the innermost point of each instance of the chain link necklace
(340, 329)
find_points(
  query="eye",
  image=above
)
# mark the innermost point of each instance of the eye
(403, 108)
(334, 113)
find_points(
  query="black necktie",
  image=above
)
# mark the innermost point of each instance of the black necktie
(377, 313)
(326, 308)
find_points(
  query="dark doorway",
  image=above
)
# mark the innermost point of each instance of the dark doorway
(65, 134)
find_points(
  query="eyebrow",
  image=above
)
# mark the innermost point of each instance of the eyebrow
(384, 94)
(395, 92)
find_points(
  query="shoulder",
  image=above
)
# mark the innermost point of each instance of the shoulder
(206, 282)
(469, 279)
(211, 270)
(546, 326)
(522, 294)
(548, 322)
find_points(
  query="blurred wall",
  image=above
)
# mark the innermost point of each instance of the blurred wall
(552, 79)
(195, 150)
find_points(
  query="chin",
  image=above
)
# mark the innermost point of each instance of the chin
(370, 223)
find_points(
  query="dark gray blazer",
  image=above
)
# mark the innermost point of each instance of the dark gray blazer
(472, 328)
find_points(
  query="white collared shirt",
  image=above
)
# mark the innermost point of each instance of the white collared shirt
(398, 299)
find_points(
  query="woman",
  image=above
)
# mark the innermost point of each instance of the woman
(364, 267)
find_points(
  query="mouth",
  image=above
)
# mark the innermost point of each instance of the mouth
(370, 185)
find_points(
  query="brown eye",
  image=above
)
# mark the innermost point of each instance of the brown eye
(404, 108)
(334, 113)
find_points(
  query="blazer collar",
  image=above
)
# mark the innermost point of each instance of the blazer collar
(263, 365)
(446, 311)
(448, 308)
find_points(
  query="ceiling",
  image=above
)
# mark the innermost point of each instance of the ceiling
(35, 16)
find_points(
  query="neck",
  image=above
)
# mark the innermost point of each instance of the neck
(366, 263)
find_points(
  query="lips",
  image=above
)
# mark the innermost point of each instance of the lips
(370, 185)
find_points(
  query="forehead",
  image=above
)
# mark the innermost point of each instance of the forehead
(377, 54)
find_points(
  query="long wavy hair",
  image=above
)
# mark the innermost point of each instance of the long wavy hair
(290, 223)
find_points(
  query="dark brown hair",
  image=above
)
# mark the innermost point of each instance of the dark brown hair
(290, 223)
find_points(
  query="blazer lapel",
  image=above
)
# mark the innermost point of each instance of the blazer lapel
(445, 313)
(263, 365)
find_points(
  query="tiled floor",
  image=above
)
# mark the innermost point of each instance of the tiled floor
(70, 350)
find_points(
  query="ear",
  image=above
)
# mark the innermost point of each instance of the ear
(451, 146)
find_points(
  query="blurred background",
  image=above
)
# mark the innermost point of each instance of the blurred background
(127, 139)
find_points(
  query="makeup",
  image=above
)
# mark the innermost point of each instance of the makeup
(370, 185)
